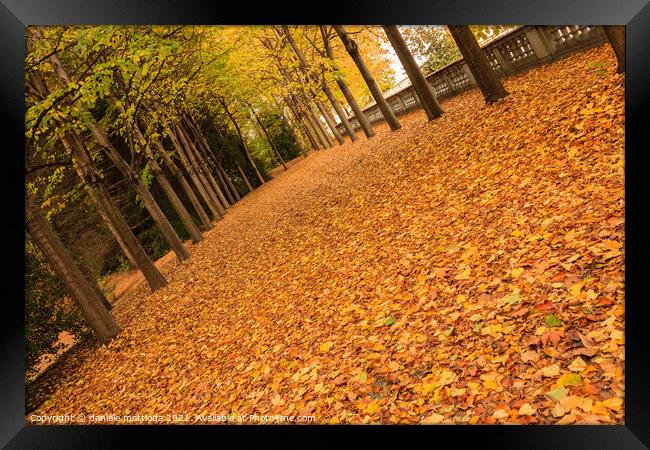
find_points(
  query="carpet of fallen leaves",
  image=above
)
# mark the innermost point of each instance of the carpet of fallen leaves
(467, 270)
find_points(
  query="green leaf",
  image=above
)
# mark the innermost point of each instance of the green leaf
(512, 298)
(552, 320)
(389, 321)
(556, 394)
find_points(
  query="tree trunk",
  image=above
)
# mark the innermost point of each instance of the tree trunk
(193, 174)
(422, 87)
(87, 298)
(616, 36)
(268, 138)
(330, 122)
(243, 175)
(247, 153)
(353, 51)
(487, 79)
(339, 111)
(345, 90)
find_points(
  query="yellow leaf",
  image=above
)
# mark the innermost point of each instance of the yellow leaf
(551, 371)
(456, 392)
(372, 407)
(393, 366)
(326, 346)
(578, 365)
(378, 347)
(277, 400)
(614, 403)
(526, 410)
(569, 379)
(500, 414)
(558, 411)
(516, 273)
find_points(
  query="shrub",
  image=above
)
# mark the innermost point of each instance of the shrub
(49, 309)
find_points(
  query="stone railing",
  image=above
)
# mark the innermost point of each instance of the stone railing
(514, 52)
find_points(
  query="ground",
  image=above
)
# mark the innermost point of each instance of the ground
(465, 270)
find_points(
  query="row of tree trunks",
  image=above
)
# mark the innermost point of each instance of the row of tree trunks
(191, 154)
(243, 176)
(268, 138)
(353, 50)
(300, 118)
(232, 187)
(223, 182)
(89, 300)
(194, 174)
(221, 186)
(345, 90)
(294, 136)
(422, 87)
(317, 126)
(187, 189)
(247, 153)
(221, 171)
(203, 159)
(177, 204)
(339, 111)
(111, 215)
(310, 76)
(301, 104)
(327, 115)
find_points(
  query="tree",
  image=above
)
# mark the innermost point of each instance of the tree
(85, 295)
(616, 36)
(487, 79)
(353, 50)
(422, 87)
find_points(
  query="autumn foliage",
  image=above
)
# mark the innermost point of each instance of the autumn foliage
(464, 270)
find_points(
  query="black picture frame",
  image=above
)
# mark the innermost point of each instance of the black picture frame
(635, 14)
